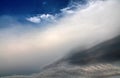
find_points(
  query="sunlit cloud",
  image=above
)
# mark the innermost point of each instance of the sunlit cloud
(43, 17)
(34, 19)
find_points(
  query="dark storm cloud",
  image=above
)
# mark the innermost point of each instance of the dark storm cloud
(92, 63)
(106, 52)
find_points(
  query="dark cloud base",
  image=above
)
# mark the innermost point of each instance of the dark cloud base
(101, 61)
(108, 51)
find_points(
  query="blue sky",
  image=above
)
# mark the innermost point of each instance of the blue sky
(19, 10)
(20, 7)
(33, 11)
(26, 7)
(12, 11)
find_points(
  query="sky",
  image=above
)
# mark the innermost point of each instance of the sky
(20, 10)
(36, 33)
(29, 7)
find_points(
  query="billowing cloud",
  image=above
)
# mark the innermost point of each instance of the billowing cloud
(34, 19)
(39, 47)
(43, 17)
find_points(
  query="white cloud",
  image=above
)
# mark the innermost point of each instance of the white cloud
(47, 16)
(67, 10)
(42, 17)
(34, 19)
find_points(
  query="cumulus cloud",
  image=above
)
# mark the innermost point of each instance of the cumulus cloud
(34, 19)
(41, 46)
(43, 17)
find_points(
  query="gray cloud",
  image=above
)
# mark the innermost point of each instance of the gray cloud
(106, 52)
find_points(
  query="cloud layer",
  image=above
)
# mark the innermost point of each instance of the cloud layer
(35, 48)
